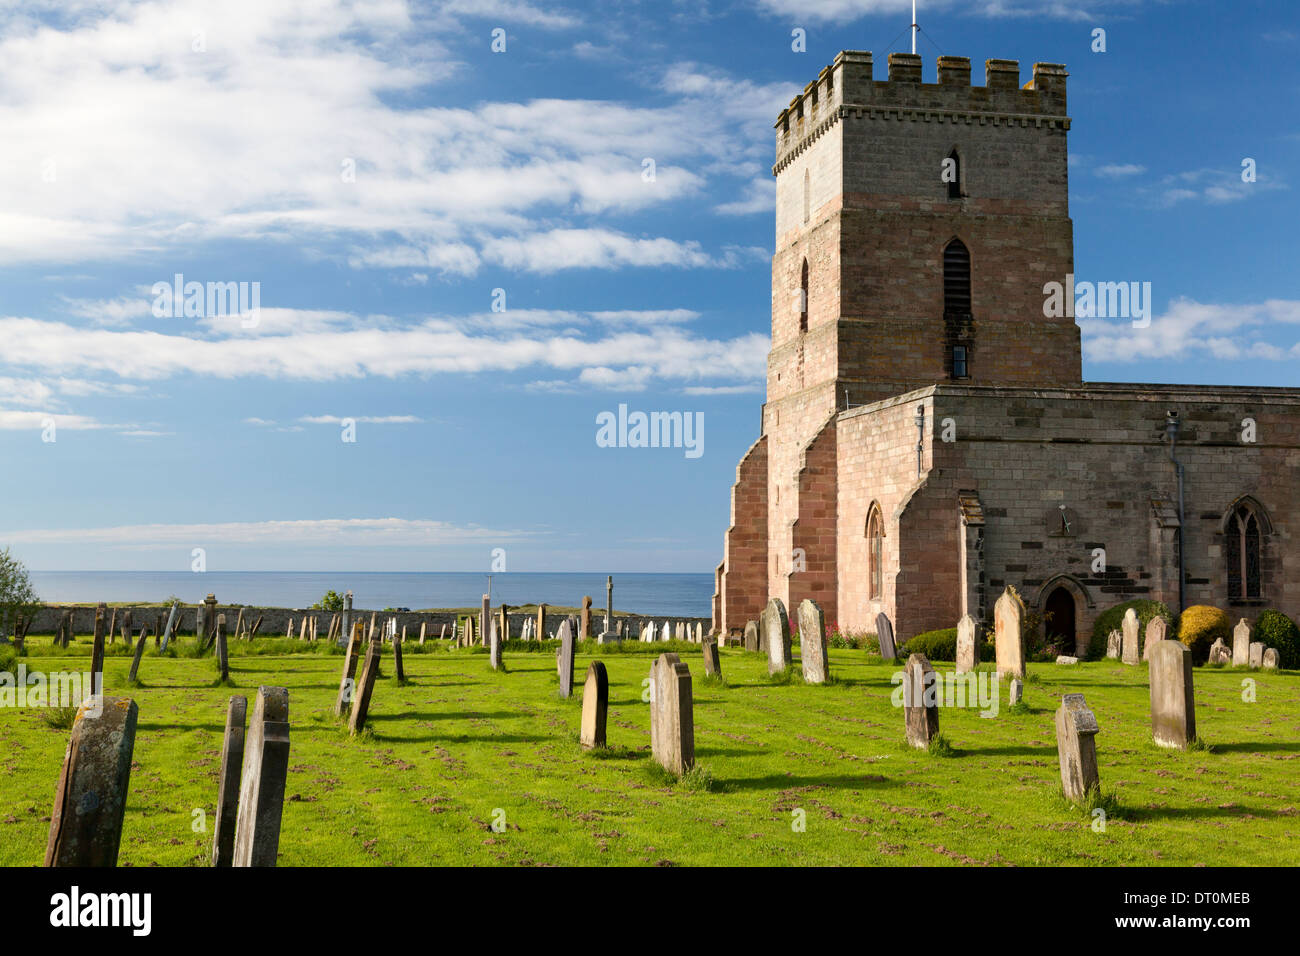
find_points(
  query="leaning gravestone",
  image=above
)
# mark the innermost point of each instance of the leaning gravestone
(564, 663)
(1114, 645)
(1157, 628)
(712, 662)
(812, 643)
(1131, 653)
(1241, 636)
(1076, 749)
(169, 630)
(346, 684)
(1269, 661)
(365, 687)
(1219, 653)
(885, 637)
(920, 703)
(134, 676)
(1256, 655)
(86, 822)
(968, 648)
(751, 635)
(1009, 634)
(263, 778)
(1173, 703)
(776, 630)
(595, 707)
(232, 761)
(672, 720)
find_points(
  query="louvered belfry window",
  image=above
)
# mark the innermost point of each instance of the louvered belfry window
(956, 278)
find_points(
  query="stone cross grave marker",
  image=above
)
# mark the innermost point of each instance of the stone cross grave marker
(232, 763)
(86, 821)
(262, 780)
(812, 643)
(672, 720)
(1076, 749)
(595, 707)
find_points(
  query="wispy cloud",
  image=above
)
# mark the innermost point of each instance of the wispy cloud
(1192, 329)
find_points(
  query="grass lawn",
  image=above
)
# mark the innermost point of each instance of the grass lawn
(459, 742)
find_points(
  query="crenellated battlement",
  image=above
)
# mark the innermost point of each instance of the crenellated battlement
(848, 87)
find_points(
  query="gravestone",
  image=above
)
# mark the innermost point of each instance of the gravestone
(424, 631)
(365, 687)
(97, 656)
(751, 635)
(584, 629)
(1256, 655)
(776, 628)
(1173, 704)
(346, 684)
(1219, 653)
(1114, 645)
(712, 660)
(1131, 653)
(209, 620)
(173, 623)
(262, 780)
(595, 707)
(1016, 692)
(345, 628)
(1076, 748)
(665, 633)
(885, 637)
(86, 822)
(812, 643)
(564, 665)
(112, 625)
(1067, 659)
(920, 703)
(1157, 628)
(968, 648)
(398, 641)
(672, 719)
(232, 761)
(1009, 634)
(1269, 661)
(134, 676)
(494, 648)
(484, 616)
(1241, 636)
(541, 622)
(223, 660)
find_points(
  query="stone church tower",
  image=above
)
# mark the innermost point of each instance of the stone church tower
(916, 226)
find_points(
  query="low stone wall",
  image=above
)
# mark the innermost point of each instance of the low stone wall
(275, 620)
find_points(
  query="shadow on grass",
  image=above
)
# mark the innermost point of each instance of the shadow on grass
(1008, 751)
(459, 738)
(780, 781)
(449, 715)
(1139, 814)
(1250, 748)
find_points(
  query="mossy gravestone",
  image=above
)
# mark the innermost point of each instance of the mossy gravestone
(812, 643)
(1076, 726)
(232, 762)
(920, 701)
(263, 778)
(776, 635)
(1157, 628)
(672, 718)
(595, 707)
(1173, 704)
(86, 821)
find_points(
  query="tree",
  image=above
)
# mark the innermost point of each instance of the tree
(332, 601)
(17, 597)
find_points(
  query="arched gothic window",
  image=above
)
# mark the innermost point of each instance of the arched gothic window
(1242, 535)
(956, 278)
(875, 554)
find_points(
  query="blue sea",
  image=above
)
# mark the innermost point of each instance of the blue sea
(671, 595)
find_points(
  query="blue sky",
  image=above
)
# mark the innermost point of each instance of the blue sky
(215, 140)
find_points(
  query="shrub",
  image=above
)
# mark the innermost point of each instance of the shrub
(1200, 626)
(1277, 630)
(938, 645)
(332, 601)
(1112, 619)
(8, 659)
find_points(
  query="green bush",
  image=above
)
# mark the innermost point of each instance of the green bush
(1112, 619)
(8, 659)
(1277, 630)
(332, 601)
(1200, 626)
(936, 645)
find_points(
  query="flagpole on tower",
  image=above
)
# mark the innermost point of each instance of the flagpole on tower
(913, 26)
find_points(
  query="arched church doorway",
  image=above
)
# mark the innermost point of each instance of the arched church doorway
(1059, 626)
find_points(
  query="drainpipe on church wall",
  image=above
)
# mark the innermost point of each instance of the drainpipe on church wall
(1171, 428)
(920, 438)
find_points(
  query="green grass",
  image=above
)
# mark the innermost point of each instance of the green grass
(459, 742)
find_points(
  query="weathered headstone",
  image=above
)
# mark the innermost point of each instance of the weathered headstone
(172, 623)
(1219, 653)
(97, 655)
(776, 627)
(885, 637)
(595, 707)
(223, 660)
(1009, 634)
(1173, 704)
(1016, 692)
(209, 620)
(1157, 628)
(399, 670)
(1076, 748)
(541, 622)
(1067, 659)
(751, 636)
(232, 763)
(484, 616)
(584, 629)
(1270, 659)
(262, 780)
(1241, 636)
(134, 676)
(712, 660)
(347, 685)
(812, 643)
(1256, 654)
(86, 822)
(920, 702)
(1114, 645)
(365, 687)
(672, 716)
(968, 648)
(494, 647)
(424, 631)
(565, 664)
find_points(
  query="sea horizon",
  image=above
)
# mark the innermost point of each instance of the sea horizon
(684, 594)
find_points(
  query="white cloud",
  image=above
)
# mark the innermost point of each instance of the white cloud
(367, 419)
(1193, 329)
(1119, 170)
